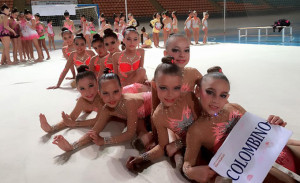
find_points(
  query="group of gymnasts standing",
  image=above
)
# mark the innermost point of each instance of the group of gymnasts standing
(179, 113)
(24, 31)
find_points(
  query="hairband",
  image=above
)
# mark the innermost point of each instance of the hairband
(220, 71)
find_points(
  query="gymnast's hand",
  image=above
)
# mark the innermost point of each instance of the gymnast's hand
(200, 174)
(133, 163)
(67, 120)
(276, 120)
(53, 87)
(96, 138)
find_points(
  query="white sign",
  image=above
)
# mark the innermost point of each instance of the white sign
(250, 150)
(53, 2)
(53, 10)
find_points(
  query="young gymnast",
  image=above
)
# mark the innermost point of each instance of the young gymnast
(40, 28)
(116, 23)
(32, 36)
(167, 21)
(68, 23)
(51, 34)
(188, 26)
(98, 45)
(131, 107)
(212, 127)
(175, 22)
(86, 84)
(25, 46)
(5, 32)
(196, 26)
(102, 23)
(77, 58)
(15, 39)
(205, 26)
(68, 39)
(110, 44)
(145, 39)
(86, 30)
(157, 26)
(129, 64)
(176, 112)
(92, 27)
(132, 21)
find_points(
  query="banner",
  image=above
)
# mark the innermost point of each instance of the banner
(250, 150)
(53, 10)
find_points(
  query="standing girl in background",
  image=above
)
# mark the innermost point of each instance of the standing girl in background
(175, 22)
(98, 45)
(33, 36)
(167, 21)
(156, 25)
(86, 30)
(205, 26)
(51, 34)
(86, 84)
(41, 31)
(25, 43)
(77, 58)
(15, 39)
(188, 25)
(92, 27)
(116, 23)
(129, 64)
(5, 32)
(68, 23)
(196, 27)
(102, 23)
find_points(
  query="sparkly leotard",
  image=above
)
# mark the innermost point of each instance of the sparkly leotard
(127, 67)
(30, 33)
(78, 63)
(66, 25)
(3, 32)
(16, 27)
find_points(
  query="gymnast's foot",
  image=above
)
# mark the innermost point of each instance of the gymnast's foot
(44, 124)
(62, 143)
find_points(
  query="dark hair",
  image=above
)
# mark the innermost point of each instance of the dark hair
(130, 29)
(49, 20)
(166, 13)
(37, 15)
(66, 13)
(102, 15)
(175, 13)
(108, 75)
(96, 38)
(168, 67)
(4, 6)
(110, 33)
(26, 12)
(91, 19)
(143, 29)
(115, 16)
(83, 71)
(173, 36)
(14, 10)
(121, 15)
(83, 15)
(80, 36)
(215, 73)
(63, 30)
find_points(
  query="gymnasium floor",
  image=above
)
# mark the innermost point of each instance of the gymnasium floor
(264, 80)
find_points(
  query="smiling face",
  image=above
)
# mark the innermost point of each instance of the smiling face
(168, 88)
(15, 15)
(99, 47)
(88, 88)
(213, 95)
(179, 49)
(131, 40)
(110, 92)
(80, 45)
(68, 38)
(111, 44)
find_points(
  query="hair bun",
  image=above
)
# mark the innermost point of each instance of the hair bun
(80, 35)
(130, 28)
(167, 60)
(107, 70)
(64, 29)
(82, 68)
(96, 36)
(108, 32)
(215, 69)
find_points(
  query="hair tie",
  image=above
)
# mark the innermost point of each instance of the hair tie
(172, 61)
(220, 71)
(109, 71)
(87, 69)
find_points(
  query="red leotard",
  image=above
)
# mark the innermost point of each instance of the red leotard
(110, 66)
(78, 63)
(126, 67)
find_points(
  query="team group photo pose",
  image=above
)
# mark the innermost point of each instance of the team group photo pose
(149, 91)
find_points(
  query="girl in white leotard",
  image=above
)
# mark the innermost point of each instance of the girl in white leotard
(196, 26)
(188, 26)
(205, 26)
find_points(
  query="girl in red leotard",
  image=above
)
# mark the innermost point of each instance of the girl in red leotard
(79, 57)
(111, 44)
(98, 45)
(129, 64)
(211, 128)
